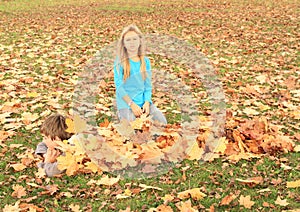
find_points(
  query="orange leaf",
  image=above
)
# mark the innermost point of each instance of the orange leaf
(194, 193)
(164, 208)
(18, 166)
(227, 199)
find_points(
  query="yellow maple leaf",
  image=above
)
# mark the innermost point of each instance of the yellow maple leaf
(92, 166)
(194, 152)
(127, 193)
(167, 198)
(293, 184)
(246, 202)
(221, 145)
(77, 125)
(32, 94)
(195, 193)
(68, 163)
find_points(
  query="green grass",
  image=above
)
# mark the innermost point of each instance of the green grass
(12, 6)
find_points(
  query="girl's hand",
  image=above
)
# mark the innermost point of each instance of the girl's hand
(146, 108)
(137, 111)
(51, 155)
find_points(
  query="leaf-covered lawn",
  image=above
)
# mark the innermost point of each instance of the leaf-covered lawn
(253, 45)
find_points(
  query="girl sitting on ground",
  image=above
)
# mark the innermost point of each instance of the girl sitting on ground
(132, 77)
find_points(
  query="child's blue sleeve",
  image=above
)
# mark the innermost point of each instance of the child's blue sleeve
(118, 78)
(148, 83)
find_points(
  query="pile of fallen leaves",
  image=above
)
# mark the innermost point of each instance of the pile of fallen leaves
(257, 136)
(147, 144)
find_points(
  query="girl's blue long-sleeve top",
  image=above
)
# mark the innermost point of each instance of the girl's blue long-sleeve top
(134, 86)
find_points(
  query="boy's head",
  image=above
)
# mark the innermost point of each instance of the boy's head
(55, 127)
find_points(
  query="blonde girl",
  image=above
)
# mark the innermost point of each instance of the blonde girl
(132, 76)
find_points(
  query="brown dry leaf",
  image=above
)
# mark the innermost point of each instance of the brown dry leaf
(194, 193)
(266, 204)
(281, 202)
(19, 191)
(246, 202)
(18, 166)
(227, 199)
(293, 184)
(51, 189)
(276, 181)
(30, 207)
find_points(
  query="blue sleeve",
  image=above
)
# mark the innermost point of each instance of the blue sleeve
(118, 78)
(148, 83)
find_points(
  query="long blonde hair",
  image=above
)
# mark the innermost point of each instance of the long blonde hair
(122, 54)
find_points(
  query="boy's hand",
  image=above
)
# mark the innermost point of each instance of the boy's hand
(146, 108)
(51, 155)
(51, 144)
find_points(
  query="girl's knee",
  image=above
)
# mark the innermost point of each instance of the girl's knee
(126, 114)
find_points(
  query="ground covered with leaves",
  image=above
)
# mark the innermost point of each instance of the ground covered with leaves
(254, 48)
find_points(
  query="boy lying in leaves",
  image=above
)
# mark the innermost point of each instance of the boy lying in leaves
(53, 129)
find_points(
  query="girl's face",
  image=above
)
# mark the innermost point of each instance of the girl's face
(132, 42)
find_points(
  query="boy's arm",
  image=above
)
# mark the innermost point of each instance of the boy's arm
(51, 169)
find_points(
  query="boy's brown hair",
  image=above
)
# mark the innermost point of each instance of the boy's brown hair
(55, 126)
